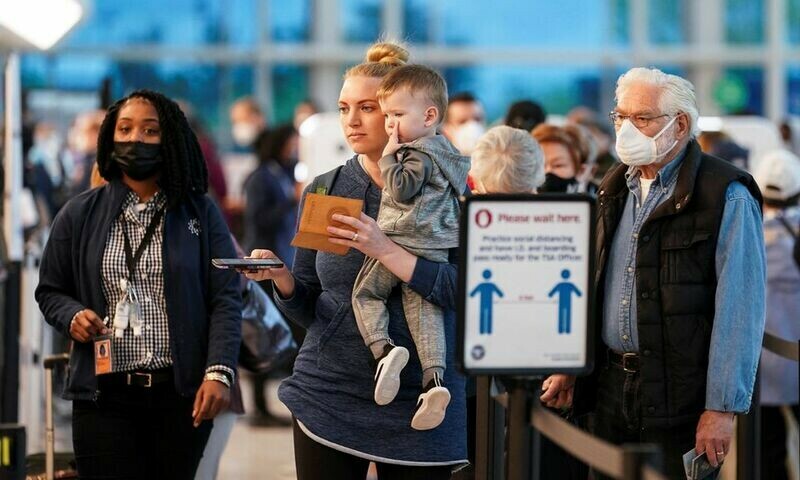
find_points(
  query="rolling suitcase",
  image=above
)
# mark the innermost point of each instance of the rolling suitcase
(51, 465)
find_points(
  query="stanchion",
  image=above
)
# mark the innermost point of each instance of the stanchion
(484, 439)
(635, 456)
(519, 431)
(499, 452)
(748, 441)
(536, 454)
(489, 432)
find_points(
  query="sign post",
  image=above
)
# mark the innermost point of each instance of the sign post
(525, 291)
(525, 298)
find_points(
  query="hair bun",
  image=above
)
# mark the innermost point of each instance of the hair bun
(387, 52)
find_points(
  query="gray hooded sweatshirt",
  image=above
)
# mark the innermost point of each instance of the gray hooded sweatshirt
(422, 183)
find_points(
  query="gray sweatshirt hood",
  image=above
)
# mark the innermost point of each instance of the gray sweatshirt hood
(453, 165)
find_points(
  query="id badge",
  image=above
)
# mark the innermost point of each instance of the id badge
(121, 317)
(102, 354)
(135, 318)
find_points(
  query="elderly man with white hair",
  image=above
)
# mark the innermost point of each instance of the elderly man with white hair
(680, 282)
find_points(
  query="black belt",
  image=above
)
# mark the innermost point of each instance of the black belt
(627, 361)
(138, 378)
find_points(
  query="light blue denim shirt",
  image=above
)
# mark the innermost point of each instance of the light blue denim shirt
(740, 267)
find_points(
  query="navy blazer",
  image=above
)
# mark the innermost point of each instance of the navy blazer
(203, 303)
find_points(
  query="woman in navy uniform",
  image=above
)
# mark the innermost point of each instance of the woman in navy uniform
(137, 252)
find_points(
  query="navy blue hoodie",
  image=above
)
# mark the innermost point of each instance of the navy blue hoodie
(331, 388)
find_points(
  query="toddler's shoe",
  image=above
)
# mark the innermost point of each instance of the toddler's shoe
(431, 405)
(387, 374)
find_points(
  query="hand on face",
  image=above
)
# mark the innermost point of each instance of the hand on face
(394, 144)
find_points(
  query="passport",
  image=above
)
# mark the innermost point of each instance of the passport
(697, 466)
(315, 218)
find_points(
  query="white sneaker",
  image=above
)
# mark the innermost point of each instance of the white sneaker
(431, 406)
(387, 374)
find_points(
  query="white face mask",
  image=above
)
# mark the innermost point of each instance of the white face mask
(636, 149)
(244, 134)
(466, 136)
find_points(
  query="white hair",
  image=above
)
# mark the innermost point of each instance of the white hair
(677, 94)
(508, 160)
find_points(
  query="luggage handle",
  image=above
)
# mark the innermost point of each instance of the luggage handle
(50, 363)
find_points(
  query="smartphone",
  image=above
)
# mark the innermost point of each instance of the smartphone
(247, 263)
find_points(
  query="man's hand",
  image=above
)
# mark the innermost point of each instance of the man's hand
(211, 398)
(558, 391)
(714, 433)
(85, 325)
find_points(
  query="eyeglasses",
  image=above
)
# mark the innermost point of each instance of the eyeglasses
(638, 121)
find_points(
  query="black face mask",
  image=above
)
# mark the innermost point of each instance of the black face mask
(138, 160)
(555, 184)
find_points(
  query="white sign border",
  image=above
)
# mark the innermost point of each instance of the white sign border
(463, 264)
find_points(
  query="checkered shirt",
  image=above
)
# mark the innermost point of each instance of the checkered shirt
(150, 350)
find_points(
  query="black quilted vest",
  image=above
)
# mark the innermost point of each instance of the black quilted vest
(675, 285)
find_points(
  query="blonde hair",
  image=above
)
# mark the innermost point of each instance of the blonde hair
(508, 160)
(381, 58)
(417, 79)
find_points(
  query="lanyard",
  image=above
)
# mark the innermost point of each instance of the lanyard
(131, 258)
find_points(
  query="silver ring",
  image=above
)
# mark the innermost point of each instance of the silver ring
(720, 454)
(355, 237)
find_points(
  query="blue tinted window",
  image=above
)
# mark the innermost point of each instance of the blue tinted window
(793, 21)
(558, 89)
(744, 21)
(741, 91)
(290, 87)
(185, 23)
(361, 20)
(665, 22)
(793, 90)
(290, 21)
(619, 12)
(562, 23)
(210, 89)
(417, 21)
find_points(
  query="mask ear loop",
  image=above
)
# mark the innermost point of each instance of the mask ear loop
(669, 124)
